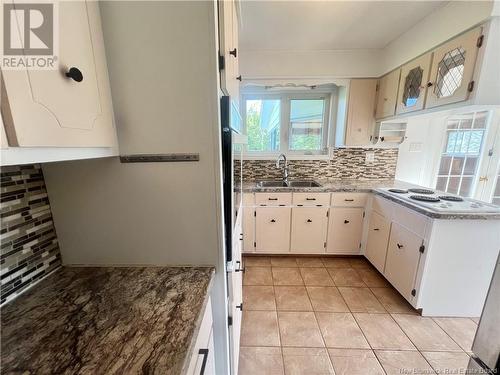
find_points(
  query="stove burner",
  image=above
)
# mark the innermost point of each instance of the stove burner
(421, 191)
(450, 198)
(399, 191)
(424, 198)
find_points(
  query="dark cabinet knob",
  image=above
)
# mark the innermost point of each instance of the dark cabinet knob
(346, 221)
(309, 221)
(376, 229)
(273, 221)
(75, 74)
(234, 52)
(238, 78)
(240, 268)
(240, 307)
(399, 246)
(429, 84)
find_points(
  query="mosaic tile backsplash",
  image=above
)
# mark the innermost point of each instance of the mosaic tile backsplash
(346, 163)
(29, 247)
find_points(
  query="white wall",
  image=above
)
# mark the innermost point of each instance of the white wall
(162, 59)
(444, 23)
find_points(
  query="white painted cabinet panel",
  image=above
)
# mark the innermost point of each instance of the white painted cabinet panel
(272, 229)
(387, 94)
(309, 226)
(360, 112)
(403, 255)
(248, 229)
(452, 69)
(203, 350)
(345, 230)
(49, 109)
(377, 242)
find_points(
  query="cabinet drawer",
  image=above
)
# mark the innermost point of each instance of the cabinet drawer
(202, 341)
(248, 199)
(344, 231)
(383, 206)
(349, 199)
(309, 225)
(273, 199)
(412, 220)
(311, 199)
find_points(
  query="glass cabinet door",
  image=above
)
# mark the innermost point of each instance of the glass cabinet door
(452, 70)
(413, 84)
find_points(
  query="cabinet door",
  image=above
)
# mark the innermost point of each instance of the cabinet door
(228, 40)
(452, 70)
(403, 256)
(49, 109)
(248, 229)
(387, 94)
(413, 84)
(236, 305)
(378, 238)
(360, 113)
(272, 229)
(309, 225)
(344, 230)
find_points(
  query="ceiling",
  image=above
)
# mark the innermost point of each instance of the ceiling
(327, 25)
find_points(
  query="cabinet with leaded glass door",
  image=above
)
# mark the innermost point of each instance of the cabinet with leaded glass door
(451, 76)
(413, 84)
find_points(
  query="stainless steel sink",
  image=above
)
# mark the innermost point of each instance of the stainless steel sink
(279, 183)
(292, 183)
(303, 183)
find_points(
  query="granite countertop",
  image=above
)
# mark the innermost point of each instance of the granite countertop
(105, 320)
(372, 186)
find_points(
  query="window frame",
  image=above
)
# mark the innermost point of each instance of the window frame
(285, 124)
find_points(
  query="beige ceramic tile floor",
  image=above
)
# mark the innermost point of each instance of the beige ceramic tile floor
(339, 316)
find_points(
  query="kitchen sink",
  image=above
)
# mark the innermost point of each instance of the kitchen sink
(304, 183)
(292, 183)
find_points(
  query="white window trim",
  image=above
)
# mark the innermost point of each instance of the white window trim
(285, 98)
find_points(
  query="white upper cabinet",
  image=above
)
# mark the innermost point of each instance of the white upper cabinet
(387, 94)
(228, 40)
(69, 106)
(360, 119)
(413, 84)
(452, 70)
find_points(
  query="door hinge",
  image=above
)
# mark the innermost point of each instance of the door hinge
(413, 292)
(230, 321)
(222, 62)
(255, 213)
(327, 213)
(471, 86)
(376, 87)
(360, 245)
(255, 244)
(480, 40)
(422, 248)
(363, 213)
(324, 244)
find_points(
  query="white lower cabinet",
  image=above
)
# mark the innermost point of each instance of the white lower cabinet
(202, 356)
(272, 229)
(345, 230)
(403, 256)
(248, 229)
(378, 238)
(309, 226)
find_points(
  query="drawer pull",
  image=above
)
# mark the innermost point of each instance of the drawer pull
(376, 229)
(272, 199)
(273, 221)
(346, 221)
(203, 352)
(309, 221)
(349, 200)
(399, 246)
(240, 306)
(310, 199)
(75, 74)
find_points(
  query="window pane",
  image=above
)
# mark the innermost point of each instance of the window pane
(263, 124)
(453, 185)
(470, 165)
(476, 138)
(466, 186)
(444, 167)
(441, 183)
(306, 124)
(457, 165)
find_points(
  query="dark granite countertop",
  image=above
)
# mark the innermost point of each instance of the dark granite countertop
(372, 186)
(105, 320)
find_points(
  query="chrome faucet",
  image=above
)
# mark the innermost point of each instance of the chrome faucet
(285, 166)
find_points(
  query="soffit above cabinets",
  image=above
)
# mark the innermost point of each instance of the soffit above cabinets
(328, 25)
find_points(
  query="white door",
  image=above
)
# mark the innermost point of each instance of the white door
(413, 84)
(344, 230)
(309, 225)
(51, 109)
(452, 70)
(403, 256)
(378, 239)
(387, 94)
(272, 229)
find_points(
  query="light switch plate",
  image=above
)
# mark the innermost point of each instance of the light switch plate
(370, 157)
